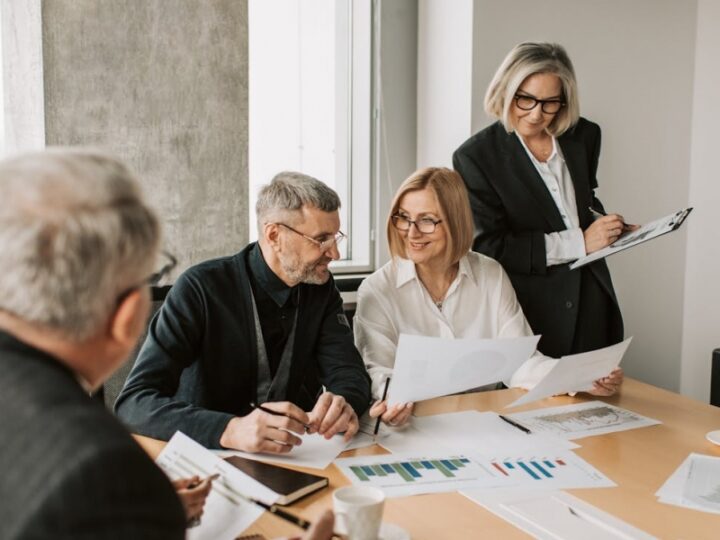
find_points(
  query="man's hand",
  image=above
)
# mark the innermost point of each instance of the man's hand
(260, 431)
(604, 231)
(608, 386)
(193, 493)
(397, 415)
(331, 415)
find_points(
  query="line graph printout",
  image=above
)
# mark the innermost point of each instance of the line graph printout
(582, 420)
(702, 487)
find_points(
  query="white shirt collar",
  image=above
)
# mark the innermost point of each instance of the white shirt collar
(406, 271)
(555, 151)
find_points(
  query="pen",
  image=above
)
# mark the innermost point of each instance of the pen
(514, 423)
(209, 478)
(275, 413)
(377, 422)
(597, 214)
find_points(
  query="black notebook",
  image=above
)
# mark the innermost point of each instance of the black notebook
(290, 485)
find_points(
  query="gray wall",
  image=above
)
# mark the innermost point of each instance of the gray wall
(163, 84)
(634, 63)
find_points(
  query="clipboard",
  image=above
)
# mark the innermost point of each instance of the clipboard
(664, 225)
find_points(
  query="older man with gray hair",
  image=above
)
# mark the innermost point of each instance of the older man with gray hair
(251, 350)
(77, 243)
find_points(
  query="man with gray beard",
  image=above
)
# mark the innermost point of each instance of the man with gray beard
(262, 327)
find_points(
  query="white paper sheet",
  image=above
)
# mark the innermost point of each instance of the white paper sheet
(428, 367)
(576, 373)
(694, 484)
(225, 515)
(315, 452)
(556, 515)
(415, 473)
(581, 420)
(468, 432)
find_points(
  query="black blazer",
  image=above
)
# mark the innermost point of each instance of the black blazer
(68, 468)
(198, 366)
(513, 210)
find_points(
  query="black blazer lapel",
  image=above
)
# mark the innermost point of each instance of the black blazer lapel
(520, 166)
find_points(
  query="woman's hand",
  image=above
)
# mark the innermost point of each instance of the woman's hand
(608, 386)
(604, 231)
(397, 415)
(193, 492)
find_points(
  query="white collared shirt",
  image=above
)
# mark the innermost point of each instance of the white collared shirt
(480, 303)
(568, 245)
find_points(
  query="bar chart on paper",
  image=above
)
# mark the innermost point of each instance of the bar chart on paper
(411, 475)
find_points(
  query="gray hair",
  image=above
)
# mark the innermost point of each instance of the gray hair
(75, 233)
(288, 192)
(527, 59)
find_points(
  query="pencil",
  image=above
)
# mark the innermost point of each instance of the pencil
(377, 422)
(196, 484)
(275, 413)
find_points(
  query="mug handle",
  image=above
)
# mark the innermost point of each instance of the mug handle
(342, 523)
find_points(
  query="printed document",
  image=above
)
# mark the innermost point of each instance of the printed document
(581, 420)
(429, 367)
(576, 373)
(226, 514)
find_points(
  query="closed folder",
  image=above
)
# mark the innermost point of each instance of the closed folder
(290, 485)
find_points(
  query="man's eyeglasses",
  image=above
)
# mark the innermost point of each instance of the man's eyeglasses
(169, 262)
(325, 244)
(548, 106)
(424, 225)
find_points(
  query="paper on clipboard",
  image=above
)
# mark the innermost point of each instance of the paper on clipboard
(647, 232)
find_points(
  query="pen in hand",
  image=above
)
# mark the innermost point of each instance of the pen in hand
(275, 413)
(377, 422)
(597, 215)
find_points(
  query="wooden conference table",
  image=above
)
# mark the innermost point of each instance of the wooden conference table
(639, 461)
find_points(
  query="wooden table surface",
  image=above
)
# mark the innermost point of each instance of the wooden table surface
(639, 461)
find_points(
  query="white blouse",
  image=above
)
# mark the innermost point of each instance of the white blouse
(568, 245)
(480, 303)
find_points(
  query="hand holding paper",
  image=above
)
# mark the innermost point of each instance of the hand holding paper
(576, 373)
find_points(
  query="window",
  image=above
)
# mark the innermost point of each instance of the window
(310, 106)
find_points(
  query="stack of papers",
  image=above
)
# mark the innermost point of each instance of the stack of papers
(468, 432)
(695, 484)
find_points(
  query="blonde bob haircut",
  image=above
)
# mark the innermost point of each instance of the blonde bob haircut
(452, 197)
(522, 61)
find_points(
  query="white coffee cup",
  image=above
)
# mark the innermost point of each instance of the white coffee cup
(358, 511)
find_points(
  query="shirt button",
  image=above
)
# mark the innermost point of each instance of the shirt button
(568, 304)
(554, 189)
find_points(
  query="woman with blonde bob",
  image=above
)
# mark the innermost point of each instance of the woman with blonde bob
(434, 285)
(531, 180)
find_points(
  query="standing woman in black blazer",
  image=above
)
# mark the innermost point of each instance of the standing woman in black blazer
(531, 178)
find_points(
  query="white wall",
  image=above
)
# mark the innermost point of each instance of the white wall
(701, 329)
(444, 91)
(634, 63)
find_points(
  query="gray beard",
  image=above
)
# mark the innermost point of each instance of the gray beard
(305, 274)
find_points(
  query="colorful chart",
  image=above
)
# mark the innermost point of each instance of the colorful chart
(410, 471)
